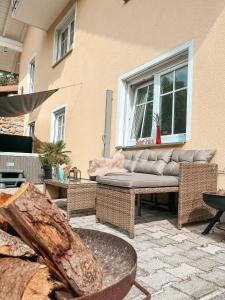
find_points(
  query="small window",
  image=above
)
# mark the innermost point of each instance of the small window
(31, 129)
(59, 125)
(64, 36)
(31, 76)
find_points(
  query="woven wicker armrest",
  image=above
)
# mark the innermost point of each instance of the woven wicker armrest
(194, 179)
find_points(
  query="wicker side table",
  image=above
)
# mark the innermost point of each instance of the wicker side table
(81, 195)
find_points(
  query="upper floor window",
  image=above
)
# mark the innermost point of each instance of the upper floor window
(31, 76)
(64, 35)
(163, 87)
(58, 125)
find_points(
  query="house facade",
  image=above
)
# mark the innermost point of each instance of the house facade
(120, 63)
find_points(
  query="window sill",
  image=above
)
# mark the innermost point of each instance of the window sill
(62, 58)
(151, 146)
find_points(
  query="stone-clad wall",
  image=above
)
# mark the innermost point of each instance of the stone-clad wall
(13, 126)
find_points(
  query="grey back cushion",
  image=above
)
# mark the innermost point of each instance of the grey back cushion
(131, 158)
(152, 162)
(188, 156)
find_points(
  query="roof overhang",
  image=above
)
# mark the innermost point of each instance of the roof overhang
(11, 44)
(11, 37)
(41, 13)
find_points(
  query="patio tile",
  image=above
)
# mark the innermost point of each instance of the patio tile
(196, 287)
(164, 241)
(184, 271)
(211, 248)
(179, 237)
(216, 295)
(194, 254)
(175, 260)
(205, 264)
(155, 228)
(158, 234)
(186, 245)
(168, 250)
(159, 279)
(141, 237)
(156, 264)
(146, 255)
(170, 293)
(144, 245)
(216, 276)
(219, 257)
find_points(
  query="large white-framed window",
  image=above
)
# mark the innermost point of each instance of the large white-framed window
(64, 35)
(58, 125)
(161, 86)
(31, 75)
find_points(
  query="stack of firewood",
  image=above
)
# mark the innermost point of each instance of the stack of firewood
(48, 256)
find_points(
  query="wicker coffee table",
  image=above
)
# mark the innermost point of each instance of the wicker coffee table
(80, 194)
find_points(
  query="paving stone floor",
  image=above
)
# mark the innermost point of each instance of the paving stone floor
(172, 264)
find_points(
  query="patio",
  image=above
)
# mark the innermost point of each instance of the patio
(172, 263)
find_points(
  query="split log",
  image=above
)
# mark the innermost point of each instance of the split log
(13, 246)
(43, 227)
(24, 280)
(3, 198)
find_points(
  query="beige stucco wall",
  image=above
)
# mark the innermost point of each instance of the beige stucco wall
(112, 38)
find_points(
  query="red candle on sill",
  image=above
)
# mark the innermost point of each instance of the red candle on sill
(158, 135)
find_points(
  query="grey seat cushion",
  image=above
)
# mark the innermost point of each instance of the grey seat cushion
(188, 156)
(152, 162)
(131, 158)
(138, 180)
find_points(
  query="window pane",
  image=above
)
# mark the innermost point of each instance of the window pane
(147, 127)
(166, 114)
(166, 83)
(180, 109)
(64, 40)
(181, 78)
(150, 93)
(59, 125)
(141, 95)
(137, 122)
(71, 33)
(31, 75)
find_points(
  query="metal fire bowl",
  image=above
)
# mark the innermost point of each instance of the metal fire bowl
(214, 200)
(119, 261)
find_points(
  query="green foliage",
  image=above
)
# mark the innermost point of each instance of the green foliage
(8, 78)
(53, 153)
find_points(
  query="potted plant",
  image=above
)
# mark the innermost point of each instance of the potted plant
(52, 155)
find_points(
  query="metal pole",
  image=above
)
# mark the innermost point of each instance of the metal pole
(108, 117)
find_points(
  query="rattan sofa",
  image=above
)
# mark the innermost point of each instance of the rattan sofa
(191, 168)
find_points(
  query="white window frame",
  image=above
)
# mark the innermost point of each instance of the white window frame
(125, 98)
(150, 82)
(29, 89)
(60, 28)
(30, 124)
(53, 122)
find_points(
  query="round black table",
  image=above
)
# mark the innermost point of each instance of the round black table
(215, 200)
